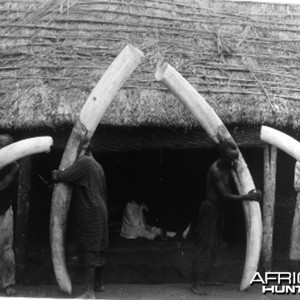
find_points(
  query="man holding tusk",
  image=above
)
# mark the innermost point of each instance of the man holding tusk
(211, 214)
(89, 212)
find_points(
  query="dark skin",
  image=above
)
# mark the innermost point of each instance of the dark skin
(7, 180)
(218, 189)
(219, 180)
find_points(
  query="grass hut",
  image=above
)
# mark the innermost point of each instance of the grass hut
(243, 58)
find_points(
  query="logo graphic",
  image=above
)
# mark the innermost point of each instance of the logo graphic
(278, 283)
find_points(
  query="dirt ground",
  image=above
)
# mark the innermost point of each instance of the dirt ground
(154, 274)
(149, 292)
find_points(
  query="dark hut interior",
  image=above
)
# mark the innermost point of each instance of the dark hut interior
(171, 181)
(243, 58)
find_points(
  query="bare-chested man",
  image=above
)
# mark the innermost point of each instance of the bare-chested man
(211, 215)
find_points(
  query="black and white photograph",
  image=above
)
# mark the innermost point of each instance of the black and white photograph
(149, 149)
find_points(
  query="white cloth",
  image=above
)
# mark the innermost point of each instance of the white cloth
(134, 224)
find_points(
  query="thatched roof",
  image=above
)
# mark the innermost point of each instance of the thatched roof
(244, 58)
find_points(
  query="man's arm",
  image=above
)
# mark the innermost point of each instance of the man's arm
(226, 195)
(9, 177)
(71, 174)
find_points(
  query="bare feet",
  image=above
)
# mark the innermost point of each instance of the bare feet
(198, 291)
(99, 287)
(10, 291)
(87, 295)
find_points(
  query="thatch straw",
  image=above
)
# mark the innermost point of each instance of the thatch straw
(242, 57)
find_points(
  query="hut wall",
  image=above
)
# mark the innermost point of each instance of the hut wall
(22, 211)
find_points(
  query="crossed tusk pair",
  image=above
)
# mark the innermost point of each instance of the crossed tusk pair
(93, 110)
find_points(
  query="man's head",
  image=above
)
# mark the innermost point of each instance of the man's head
(5, 140)
(228, 152)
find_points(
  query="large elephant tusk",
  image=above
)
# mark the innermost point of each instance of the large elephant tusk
(93, 110)
(281, 140)
(291, 147)
(214, 127)
(24, 148)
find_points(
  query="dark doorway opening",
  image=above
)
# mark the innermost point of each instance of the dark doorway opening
(170, 182)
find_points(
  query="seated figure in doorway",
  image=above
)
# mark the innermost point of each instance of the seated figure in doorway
(89, 203)
(134, 223)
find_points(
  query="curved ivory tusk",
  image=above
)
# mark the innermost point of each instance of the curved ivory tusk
(291, 147)
(111, 82)
(24, 148)
(281, 140)
(93, 110)
(214, 127)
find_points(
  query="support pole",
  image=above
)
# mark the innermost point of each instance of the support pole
(295, 232)
(292, 147)
(270, 166)
(22, 214)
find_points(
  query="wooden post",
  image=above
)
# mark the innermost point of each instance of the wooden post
(270, 166)
(291, 147)
(23, 202)
(295, 232)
